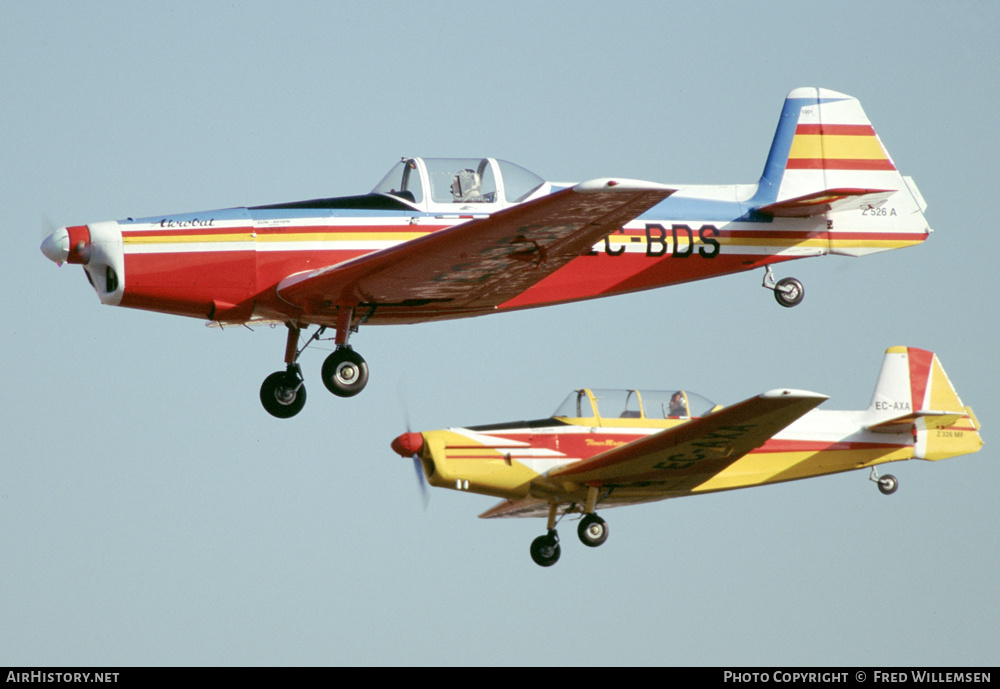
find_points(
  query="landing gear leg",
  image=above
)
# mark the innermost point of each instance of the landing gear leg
(593, 530)
(788, 292)
(283, 393)
(887, 484)
(545, 549)
(345, 372)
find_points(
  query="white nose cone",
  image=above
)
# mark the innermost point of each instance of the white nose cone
(56, 246)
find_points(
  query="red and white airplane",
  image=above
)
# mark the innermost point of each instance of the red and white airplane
(608, 448)
(451, 238)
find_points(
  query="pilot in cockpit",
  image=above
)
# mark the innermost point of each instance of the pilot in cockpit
(678, 406)
(465, 187)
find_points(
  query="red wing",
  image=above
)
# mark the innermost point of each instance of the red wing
(484, 262)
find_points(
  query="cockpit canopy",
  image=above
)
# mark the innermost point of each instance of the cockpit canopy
(453, 184)
(634, 404)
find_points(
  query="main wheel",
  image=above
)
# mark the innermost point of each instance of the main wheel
(888, 484)
(345, 372)
(789, 292)
(593, 530)
(545, 550)
(283, 394)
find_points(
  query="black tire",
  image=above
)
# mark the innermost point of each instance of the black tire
(888, 484)
(789, 292)
(345, 372)
(283, 394)
(593, 531)
(545, 550)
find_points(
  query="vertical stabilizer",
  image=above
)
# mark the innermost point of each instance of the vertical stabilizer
(827, 160)
(914, 395)
(825, 141)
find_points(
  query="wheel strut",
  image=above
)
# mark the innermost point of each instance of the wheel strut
(887, 484)
(788, 292)
(283, 393)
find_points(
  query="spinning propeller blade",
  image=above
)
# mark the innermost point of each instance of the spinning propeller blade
(421, 481)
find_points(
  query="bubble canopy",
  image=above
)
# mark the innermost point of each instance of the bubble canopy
(479, 183)
(633, 404)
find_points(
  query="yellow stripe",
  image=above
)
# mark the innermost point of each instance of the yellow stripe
(777, 241)
(835, 147)
(772, 241)
(341, 237)
(873, 243)
(187, 238)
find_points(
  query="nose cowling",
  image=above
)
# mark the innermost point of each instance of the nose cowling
(408, 444)
(99, 248)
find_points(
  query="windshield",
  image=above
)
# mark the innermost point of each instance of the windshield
(403, 181)
(576, 405)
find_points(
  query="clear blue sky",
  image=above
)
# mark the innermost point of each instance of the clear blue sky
(152, 513)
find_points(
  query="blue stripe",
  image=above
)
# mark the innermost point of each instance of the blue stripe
(777, 157)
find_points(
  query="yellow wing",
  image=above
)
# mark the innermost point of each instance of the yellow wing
(669, 463)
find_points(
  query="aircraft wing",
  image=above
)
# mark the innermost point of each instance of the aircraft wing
(483, 262)
(671, 462)
(727, 434)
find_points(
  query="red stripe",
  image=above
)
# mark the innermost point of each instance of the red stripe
(275, 231)
(920, 370)
(836, 129)
(839, 164)
(871, 236)
(835, 234)
(822, 445)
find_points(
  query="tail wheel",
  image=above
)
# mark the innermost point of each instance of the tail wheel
(789, 292)
(283, 394)
(888, 484)
(593, 530)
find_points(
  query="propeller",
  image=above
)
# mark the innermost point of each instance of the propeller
(410, 445)
(421, 481)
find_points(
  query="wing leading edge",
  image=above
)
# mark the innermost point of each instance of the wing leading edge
(671, 462)
(484, 262)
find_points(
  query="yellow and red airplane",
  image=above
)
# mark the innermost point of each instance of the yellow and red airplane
(606, 448)
(451, 238)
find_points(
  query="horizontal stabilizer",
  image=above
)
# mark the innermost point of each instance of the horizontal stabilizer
(827, 201)
(906, 423)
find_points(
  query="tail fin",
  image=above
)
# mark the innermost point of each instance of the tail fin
(826, 159)
(913, 395)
